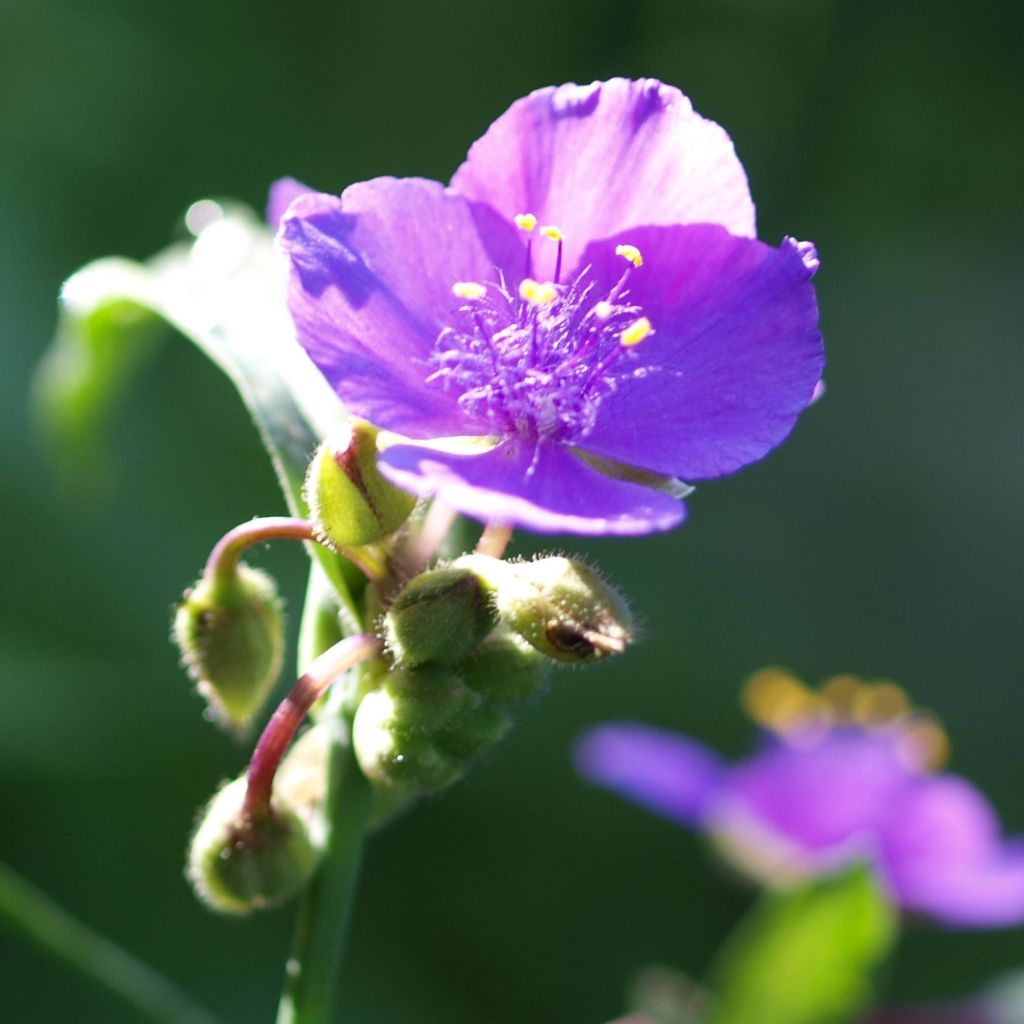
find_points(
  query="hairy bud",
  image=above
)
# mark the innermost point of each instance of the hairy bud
(558, 605)
(348, 499)
(237, 863)
(230, 631)
(439, 617)
(505, 668)
(395, 728)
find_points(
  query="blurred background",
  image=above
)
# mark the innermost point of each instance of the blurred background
(885, 538)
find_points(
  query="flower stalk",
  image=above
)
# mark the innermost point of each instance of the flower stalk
(292, 711)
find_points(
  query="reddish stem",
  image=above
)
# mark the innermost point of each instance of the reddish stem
(223, 560)
(291, 712)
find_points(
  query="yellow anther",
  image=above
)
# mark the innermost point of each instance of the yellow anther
(631, 253)
(537, 294)
(879, 704)
(924, 742)
(550, 231)
(841, 693)
(525, 222)
(468, 290)
(777, 700)
(635, 332)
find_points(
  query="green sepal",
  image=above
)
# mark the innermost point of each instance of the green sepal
(348, 498)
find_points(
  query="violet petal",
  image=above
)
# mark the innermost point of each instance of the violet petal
(545, 489)
(599, 158)
(734, 357)
(667, 773)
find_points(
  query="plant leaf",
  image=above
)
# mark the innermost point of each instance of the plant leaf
(225, 292)
(806, 956)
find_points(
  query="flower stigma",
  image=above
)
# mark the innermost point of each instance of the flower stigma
(537, 360)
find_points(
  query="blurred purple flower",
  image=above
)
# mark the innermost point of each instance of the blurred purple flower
(583, 316)
(843, 775)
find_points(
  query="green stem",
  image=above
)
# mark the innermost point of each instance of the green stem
(308, 996)
(33, 915)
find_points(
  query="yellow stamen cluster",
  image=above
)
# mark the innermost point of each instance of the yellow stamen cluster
(536, 293)
(630, 253)
(525, 222)
(635, 332)
(468, 290)
(550, 231)
(779, 701)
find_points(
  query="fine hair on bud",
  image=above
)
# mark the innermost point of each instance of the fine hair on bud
(505, 668)
(560, 606)
(239, 863)
(230, 631)
(396, 728)
(348, 499)
(438, 617)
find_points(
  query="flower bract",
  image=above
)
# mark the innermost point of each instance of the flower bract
(583, 318)
(842, 777)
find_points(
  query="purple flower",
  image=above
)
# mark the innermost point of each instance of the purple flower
(582, 317)
(843, 775)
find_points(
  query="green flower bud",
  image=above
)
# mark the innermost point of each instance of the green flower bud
(348, 499)
(301, 786)
(395, 728)
(230, 631)
(440, 616)
(237, 864)
(475, 732)
(505, 668)
(558, 605)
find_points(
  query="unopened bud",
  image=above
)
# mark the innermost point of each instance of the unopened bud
(474, 732)
(558, 605)
(230, 631)
(395, 728)
(439, 617)
(505, 668)
(238, 863)
(348, 499)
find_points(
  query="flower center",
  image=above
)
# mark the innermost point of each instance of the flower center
(538, 360)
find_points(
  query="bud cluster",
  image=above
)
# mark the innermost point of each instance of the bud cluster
(466, 641)
(456, 646)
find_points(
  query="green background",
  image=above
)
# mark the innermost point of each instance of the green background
(885, 538)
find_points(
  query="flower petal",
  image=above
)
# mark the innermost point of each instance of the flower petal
(944, 857)
(733, 359)
(669, 774)
(282, 192)
(823, 797)
(371, 289)
(544, 489)
(599, 158)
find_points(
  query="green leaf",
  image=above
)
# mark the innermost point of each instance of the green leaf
(225, 292)
(806, 956)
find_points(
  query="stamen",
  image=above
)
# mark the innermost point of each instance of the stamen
(555, 234)
(631, 253)
(636, 332)
(537, 294)
(603, 310)
(525, 222)
(468, 290)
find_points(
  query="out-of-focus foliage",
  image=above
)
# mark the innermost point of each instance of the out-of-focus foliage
(805, 956)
